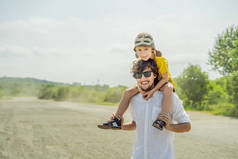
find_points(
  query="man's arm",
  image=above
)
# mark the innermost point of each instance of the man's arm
(129, 126)
(179, 128)
(182, 126)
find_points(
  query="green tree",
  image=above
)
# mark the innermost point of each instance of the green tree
(223, 57)
(62, 93)
(113, 95)
(1, 94)
(194, 86)
(235, 88)
(234, 52)
(216, 93)
(47, 91)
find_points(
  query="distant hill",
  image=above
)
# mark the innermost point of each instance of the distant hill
(13, 86)
(43, 89)
(27, 80)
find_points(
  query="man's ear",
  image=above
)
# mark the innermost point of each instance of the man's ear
(155, 75)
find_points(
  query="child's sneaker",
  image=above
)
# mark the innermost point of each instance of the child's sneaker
(159, 124)
(115, 123)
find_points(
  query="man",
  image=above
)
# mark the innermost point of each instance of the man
(151, 143)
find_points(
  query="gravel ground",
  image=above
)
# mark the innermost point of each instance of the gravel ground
(44, 129)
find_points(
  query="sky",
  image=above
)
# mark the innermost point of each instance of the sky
(91, 42)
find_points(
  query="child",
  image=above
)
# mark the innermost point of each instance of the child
(145, 50)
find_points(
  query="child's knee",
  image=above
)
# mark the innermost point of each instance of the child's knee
(127, 93)
(168, 90)
(130, 92)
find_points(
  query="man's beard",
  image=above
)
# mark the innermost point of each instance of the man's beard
(147, 89)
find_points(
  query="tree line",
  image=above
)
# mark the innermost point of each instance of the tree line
(219, 96)
(100, 94)
(15, 86)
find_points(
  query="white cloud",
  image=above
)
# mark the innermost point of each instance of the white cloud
(86, 51)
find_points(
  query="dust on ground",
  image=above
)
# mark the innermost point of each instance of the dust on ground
(44, 129)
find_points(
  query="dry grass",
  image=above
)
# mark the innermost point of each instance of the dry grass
(40, 129)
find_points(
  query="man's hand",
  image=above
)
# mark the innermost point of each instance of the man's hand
(129, 126)
(165, 117)
(179, 128)
(121, 118)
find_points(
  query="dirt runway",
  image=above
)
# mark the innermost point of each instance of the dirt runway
(41, 129)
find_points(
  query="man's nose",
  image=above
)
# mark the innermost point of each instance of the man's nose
(143, 77)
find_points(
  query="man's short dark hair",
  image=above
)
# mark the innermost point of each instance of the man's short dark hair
(140, 66)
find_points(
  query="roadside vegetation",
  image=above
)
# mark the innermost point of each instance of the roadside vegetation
(219, 96)
(100, 94)
(14, 86)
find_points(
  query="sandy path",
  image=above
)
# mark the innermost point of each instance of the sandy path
(40, 129)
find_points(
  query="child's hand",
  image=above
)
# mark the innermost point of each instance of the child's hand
(144, 94)
(122, 120)
(148, 95)
(140, 90)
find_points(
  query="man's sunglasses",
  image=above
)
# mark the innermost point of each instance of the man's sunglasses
(139, 75)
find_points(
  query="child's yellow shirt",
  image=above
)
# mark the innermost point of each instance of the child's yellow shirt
(163, 67)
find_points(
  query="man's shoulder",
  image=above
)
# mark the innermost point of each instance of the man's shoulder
(176, 102)
(157, 93)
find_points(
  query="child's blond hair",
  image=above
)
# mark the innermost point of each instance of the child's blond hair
(145, 39)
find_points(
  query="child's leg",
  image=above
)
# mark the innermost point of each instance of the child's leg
(125, 101)
(167, 91)
(115, 120)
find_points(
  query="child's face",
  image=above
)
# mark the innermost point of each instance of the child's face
(144, 52)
